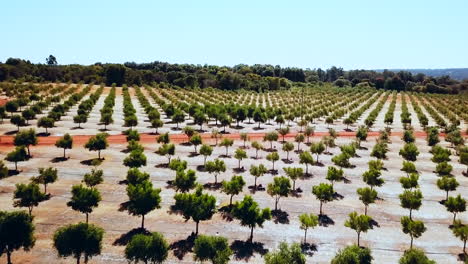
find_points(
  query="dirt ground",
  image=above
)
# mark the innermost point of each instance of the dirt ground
(386, 241)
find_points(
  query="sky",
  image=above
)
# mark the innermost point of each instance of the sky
(359, 34)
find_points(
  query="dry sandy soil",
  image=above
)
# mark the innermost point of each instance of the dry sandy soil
(386, 241)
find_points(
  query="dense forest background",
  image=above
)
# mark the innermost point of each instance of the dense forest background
(258, 77)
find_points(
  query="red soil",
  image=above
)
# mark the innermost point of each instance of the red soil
(178, 138)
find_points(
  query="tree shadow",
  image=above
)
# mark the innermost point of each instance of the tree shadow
(462, 257)
(76, 128)
(11, 132)
(59, 159)
(325, 220)
(346, 180)
(239, 170)
(43, 134)
(306, 176)
(337, 196)
(162, 165)
(296, 193)
(193, 154)
(244, 250)
(185, 144)
(92, 162)
(258, 128)
(273, 172)
(11, 173)
(225, 156)
(225, 213)
(318, 164)
(183, 246)
(373, 223)
(200, 168)
(280, 216)
(125, 238)
(174, 128)
(308, 249)
(287, 161)
(259, 188)
(213, 186)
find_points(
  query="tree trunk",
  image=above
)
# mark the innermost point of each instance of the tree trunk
(230, 200)
(411, 245)
(239, 164)
(276, 203)
(204, 162)
(365, 209)
(464, 247)
(287, 155)
(358, 238)
(8, 257)
(16, 166)
(294, 185)
(226, 151)
(454, 216)
(196, 227)
(64, 153)
(87, 217)
(99, 154)
(305, 236)
(29, 151)
(251, 234)
(142, 221)
(78, 259)
(216, 178)
(256, 154)
(255, 184)
(45, 188)
(46, 131)
(307, 169)
(446, 196)
(410, 211)
(321, 207)
(30, 210)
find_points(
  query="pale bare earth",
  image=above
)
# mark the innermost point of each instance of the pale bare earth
(387, 242)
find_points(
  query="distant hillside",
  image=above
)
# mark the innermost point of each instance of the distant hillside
(456, 73)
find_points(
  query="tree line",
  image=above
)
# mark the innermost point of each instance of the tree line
(257, 77)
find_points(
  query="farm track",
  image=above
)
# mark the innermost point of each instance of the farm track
(178, 138)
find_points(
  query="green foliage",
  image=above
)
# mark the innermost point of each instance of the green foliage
(353, 255)
(17, 155)
(286, 254)
(415, 256)
(196, 140)
(84, 199)
(273, 157)
(213, 248)
(359, 223)
(367, 196)
(411, 200)
(78, 239)
(324, 193)
(280, 187)
(409, 182)
(136, 159)
(27, 195)
(455, 205)
(307, 159)
(151, 248)
(26, 138)
(233, 187)
(16, 232)
(185, 180)
(412, 227)
(308, 221)
(65, 142)
(216, 167)
(46, 176)
(409, 152)
(334, 174)
(142, 199)
(447, 184)
(97, 143)
(372, 178)
(93, 178)
(249, 214)
(135, 176)
(198, 206)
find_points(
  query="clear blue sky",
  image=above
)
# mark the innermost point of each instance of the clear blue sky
(365, 34)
